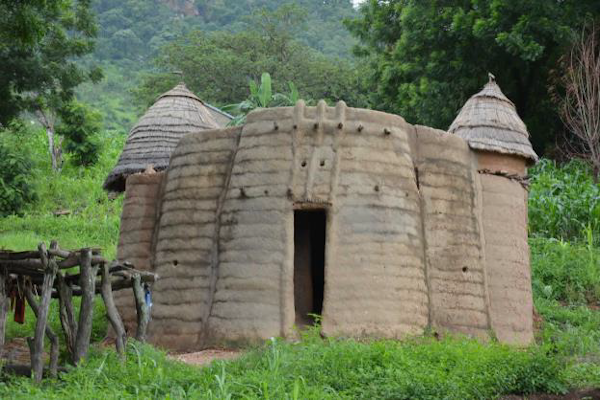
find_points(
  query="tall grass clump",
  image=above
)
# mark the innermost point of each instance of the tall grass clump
(564, 201)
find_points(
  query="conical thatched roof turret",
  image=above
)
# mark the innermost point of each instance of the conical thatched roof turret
(151, 141)
(489, 121)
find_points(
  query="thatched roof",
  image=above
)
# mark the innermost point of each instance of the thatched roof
(151, 141)
(489, 121)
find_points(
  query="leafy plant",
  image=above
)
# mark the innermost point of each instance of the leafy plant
(261, 96)
(566, 272)
(564, 202)
(16, 186)
(80, 126)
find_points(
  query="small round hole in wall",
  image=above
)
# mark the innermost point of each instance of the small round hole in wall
(175, 262)
(266, 192)
(376, 188)
(303, 163)
(465, 269)
(322, 163)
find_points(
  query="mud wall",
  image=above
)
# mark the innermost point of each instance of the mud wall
(185, 237)
(375, 272)
(451, 203)
(507, 250)
(415, 231)
(138, 219)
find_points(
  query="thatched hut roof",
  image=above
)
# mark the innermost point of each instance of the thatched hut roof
(151, 141)
(489, 121)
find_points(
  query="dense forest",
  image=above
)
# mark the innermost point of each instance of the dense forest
(136, 38)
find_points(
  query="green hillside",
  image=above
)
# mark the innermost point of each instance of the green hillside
(133, 33)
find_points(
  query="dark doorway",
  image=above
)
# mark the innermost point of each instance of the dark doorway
(309, 264)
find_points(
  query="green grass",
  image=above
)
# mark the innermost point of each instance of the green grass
(315, 368)
(94, 218)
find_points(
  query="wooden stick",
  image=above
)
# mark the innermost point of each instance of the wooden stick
(116, 284)
(67, 315)
(3, 305)
(143, 311)
(37, 344)
(112, 313)
(115, 269)
(52, 337)
(74, 261)
(86, 311)
(21, 255)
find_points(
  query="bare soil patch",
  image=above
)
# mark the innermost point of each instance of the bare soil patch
(205, 357)
(591, 394)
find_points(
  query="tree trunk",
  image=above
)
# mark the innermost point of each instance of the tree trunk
(53, 148)
(143, 311)
(37, 344)
(67, 315)
(112, 312)
(87, 282)
(3, 305)
(52, 337)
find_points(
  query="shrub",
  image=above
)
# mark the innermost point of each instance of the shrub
(80, 126)
(16, 187)
(565, 271)
(563, 201)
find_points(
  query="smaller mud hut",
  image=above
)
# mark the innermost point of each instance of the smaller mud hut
(152, 140)
(489, 123)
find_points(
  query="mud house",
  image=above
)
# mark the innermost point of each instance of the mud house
(381, 227)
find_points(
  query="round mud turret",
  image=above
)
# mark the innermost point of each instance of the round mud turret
(491, 126)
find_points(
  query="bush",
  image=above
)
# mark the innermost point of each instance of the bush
(80, 126)
(564, 271)
(16, 188)
(564, 201)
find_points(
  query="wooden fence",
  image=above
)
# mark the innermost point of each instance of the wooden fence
(56, 273)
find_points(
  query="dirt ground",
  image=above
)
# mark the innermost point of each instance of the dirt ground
(205, 357)
(592, 394)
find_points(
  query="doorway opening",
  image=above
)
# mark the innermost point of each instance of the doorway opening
(309, 264)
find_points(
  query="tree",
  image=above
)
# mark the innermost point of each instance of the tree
(218, 66)
(580, 108)
(427, 57)
(40, 42)
(16, 170)
(80, 126)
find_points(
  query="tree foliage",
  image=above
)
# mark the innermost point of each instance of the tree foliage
(39, 43)
(16, 170)
(80, 127)
(428, 57)
(218, 66)
(151, 24)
